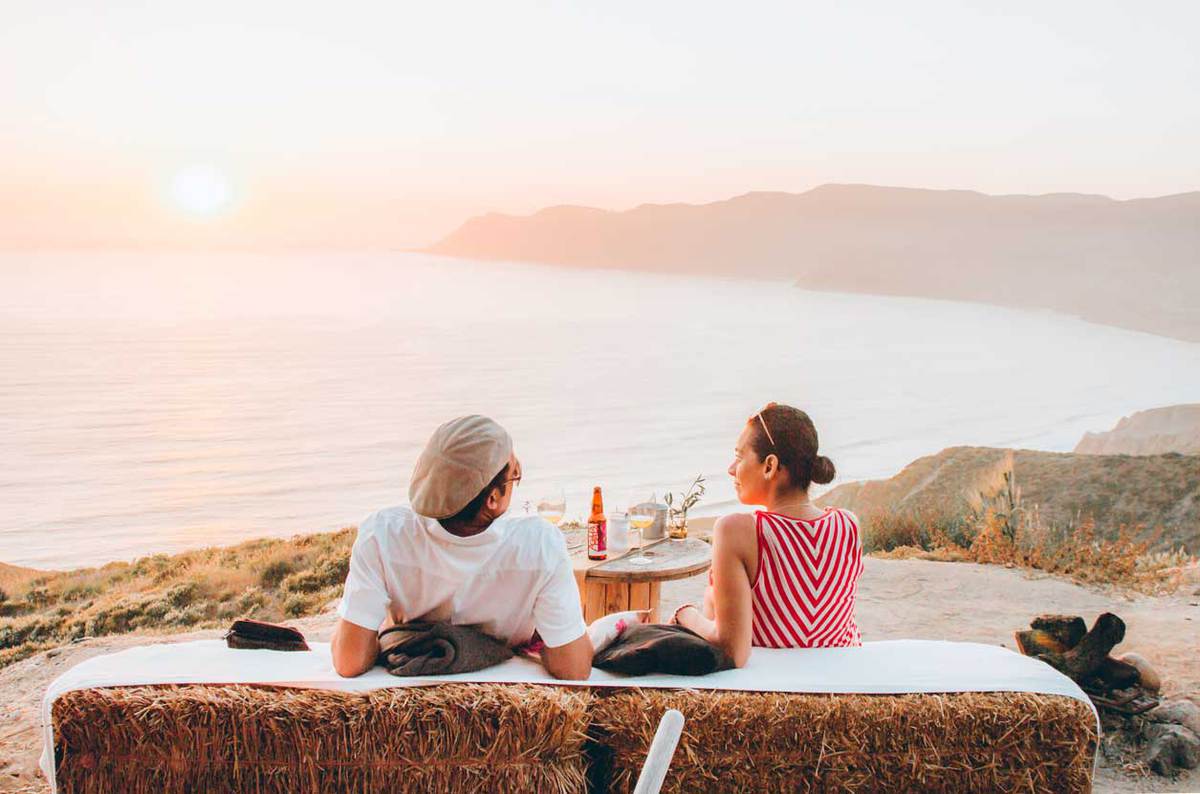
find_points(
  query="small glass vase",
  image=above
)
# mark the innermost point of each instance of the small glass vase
(679, 531)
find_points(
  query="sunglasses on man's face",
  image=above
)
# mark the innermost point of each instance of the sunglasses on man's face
(516, 479)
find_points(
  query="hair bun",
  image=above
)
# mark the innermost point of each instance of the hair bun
(822, 470)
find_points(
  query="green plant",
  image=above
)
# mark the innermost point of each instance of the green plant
(678, 506)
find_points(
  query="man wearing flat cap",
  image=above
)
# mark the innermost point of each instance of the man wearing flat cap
(454, 556)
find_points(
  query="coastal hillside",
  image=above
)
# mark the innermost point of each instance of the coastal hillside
(14, 576)
(268, 579)
(1175, 428)
(1126, 263)
(1156, 497)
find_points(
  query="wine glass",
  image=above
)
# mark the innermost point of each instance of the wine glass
(640, 518)
(552, 506)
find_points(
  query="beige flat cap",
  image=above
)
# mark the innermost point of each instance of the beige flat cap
(460, 458)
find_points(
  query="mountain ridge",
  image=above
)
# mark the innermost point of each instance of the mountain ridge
(1070, 252)
(1171, 428)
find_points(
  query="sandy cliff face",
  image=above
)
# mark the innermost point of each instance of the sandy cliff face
(1175, 428)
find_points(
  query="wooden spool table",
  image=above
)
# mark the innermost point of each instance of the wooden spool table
(617, 585)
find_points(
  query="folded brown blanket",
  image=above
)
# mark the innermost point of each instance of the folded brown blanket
(422, 648)
(643, 649)
(255, 634)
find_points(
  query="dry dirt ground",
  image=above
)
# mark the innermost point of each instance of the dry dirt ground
(897, 599)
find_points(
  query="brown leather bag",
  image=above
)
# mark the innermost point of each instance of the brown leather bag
(255, 634)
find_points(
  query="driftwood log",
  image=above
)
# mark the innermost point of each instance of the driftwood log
(1035, 642)
(1068, 630)
(1051, 634)
(1117, 674)
(1086, 657)
(1063, 642)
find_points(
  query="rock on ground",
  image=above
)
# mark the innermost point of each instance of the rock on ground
(1171, 748)
(1179, 712)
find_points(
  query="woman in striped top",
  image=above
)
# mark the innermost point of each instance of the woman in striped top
(786, 576)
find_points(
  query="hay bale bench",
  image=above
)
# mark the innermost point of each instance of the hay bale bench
(521, 736)
(510, 737)
(771, 742)
(464, 737)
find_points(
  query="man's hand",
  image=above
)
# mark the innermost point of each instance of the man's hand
(354, 649)
(572, 662)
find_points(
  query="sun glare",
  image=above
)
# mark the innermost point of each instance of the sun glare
(201, 190)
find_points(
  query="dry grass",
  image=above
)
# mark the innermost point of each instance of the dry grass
(1078, 553)
(1155, 497)
(265, 579)
(1000, 528)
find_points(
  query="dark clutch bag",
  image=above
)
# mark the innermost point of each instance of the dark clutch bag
(255, 634)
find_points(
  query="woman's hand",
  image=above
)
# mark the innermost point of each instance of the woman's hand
(710, 604)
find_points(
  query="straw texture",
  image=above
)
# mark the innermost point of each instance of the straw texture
(502, 737)
(765, 741)
(476, 737)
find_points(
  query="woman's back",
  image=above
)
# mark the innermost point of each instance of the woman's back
(803, 593)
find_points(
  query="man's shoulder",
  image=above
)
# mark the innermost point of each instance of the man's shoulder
(390, 521)
(533, 535)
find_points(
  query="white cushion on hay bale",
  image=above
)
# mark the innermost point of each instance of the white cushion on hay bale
(892, 667)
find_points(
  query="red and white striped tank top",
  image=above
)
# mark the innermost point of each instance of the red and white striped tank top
(807, 578)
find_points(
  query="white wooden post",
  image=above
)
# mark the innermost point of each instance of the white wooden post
(662, 749)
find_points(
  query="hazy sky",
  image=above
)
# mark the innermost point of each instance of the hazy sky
(387, 124)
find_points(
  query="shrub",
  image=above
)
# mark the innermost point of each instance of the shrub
(274, 572)
(330, 571)
(80, 591)
(150, 566)
(38, 597)
(296, 606)
(120, 618)
(156, 610)
(181, 595)
(250, 600)
(188, 616)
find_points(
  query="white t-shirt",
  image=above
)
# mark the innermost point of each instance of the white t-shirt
(511, 578)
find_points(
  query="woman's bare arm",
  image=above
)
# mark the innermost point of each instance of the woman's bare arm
(733, 540)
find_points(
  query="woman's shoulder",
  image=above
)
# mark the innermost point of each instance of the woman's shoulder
(735, 523)
(736, 533)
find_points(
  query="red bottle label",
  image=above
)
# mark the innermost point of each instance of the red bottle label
(597, 539)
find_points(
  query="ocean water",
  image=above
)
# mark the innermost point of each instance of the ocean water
(158, 402)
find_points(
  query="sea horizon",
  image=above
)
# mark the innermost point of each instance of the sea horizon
(275, 395)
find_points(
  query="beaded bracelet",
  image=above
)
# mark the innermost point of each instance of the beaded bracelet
(675, 617)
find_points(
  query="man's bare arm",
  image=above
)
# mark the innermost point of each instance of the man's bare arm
(354, 649)
(572, 662)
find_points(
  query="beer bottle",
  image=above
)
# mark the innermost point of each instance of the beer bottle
(597, 528)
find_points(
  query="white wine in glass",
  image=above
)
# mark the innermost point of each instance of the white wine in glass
(640, 519)
(553, 507)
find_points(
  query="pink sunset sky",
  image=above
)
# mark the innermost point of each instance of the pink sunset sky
(388, 124)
